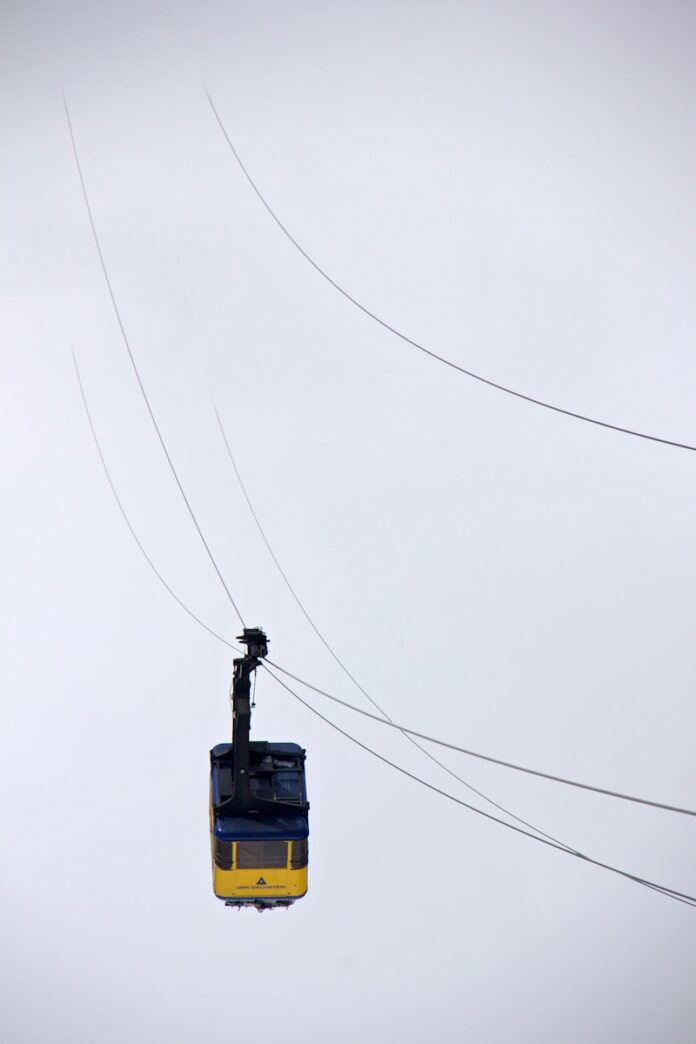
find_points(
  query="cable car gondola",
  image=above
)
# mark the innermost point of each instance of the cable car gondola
(259, 814)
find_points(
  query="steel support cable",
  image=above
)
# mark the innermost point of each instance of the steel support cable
(416, 344)
(131, 530)
(565, 848)
(402, 729)
(126, 342)
(671, 893)
(488, 757)
(340, 663)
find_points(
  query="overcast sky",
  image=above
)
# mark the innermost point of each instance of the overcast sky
(513, 185)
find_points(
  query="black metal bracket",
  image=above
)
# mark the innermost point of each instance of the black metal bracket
(242, 800)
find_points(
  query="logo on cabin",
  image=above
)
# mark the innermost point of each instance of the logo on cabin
(261, 883)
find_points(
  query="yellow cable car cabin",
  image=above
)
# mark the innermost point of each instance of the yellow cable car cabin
(260, 859)
(259, 822)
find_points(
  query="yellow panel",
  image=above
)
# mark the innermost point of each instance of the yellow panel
(272, 882)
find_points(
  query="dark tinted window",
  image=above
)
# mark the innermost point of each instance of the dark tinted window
(298, 858)
(277, 786)
(223, 854)
(253, 855)
(288, 786)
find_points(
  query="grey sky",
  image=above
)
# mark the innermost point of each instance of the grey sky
(513, 185)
